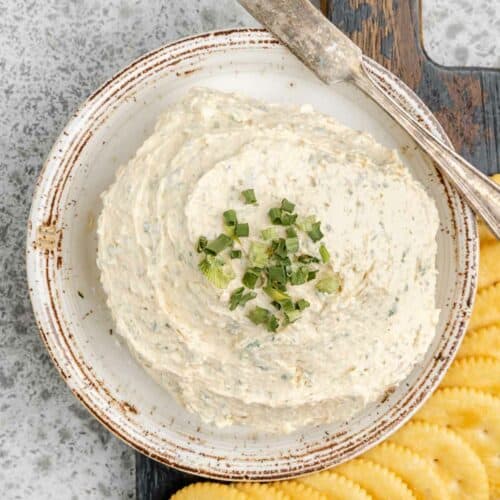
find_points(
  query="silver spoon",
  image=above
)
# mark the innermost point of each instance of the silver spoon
(332, 56)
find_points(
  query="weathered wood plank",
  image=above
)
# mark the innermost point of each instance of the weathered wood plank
(154, 481)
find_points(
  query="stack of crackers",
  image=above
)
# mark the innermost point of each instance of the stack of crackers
(451, 447)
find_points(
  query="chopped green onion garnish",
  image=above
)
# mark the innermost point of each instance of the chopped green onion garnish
(329, 284)
(279, 248)
(272, 323)
(276, 294)
(235, 298)
(305, 223)
(230, 218)
(201, 244)
(249, 196)
(238, 298)
(257, 254)
(269, 233)
(288, 219)
(302, 304)
(292, 244)
(281, 217)
(299, 276)
(287, 305)
(277, 274)
(216, 271)
(220, 243)
(307, 259)
(269, 262)
(315, 233)
(251, 276)
(259, 315)
(235, 254)
(241, 230)
(325, 254)
(275, 215)
(312, 275)
(292, 316)
(287, 206)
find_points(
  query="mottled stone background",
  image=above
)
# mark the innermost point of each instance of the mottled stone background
(462, 32)
(53, 54)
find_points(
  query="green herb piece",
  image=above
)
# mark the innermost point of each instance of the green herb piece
(288, 219)
(292, 316)
(275, 215)
(287, 206)
(220, 243)
(307, 259)
(230, 218)
(216, 271)
(279, 248)
(299, 276)
(272, 323)
(277, 274)
(269, 233)
(302, 304)
(251, 276)
(235, 298)
(312, 275)
(281, 217)
(247, 297)
(238, 298)
(305, 223)
(292, 244)
(201, 244)
(235, 254)
(331, 283)
(325, 254)
(275, 294)
(249, 196)
(290, 232)
(241, 230)
(258, 315)
(257, 254)
(315, 233)
(287, 305)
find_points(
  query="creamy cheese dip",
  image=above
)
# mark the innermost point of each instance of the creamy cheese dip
(346, 349)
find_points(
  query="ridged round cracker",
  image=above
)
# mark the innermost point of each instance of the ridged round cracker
(489, 264)
(258, 491)
(299, 491)
(335, 486)
(482, 342)
(459, 466)
(420, 474)
(209, 491)
(485, 235)
(475, 416)
(486, 310)
(378, 481)
(475, 372)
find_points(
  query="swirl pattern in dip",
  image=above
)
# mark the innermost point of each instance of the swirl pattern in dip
(346, 349)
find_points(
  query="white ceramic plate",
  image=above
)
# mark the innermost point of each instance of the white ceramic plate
(70, 305)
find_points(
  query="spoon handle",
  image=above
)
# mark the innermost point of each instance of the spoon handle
(482, 194)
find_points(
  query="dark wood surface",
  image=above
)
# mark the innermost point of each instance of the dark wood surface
(465, 100)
